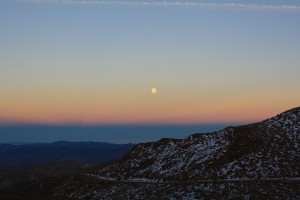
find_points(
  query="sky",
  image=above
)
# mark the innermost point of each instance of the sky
(95, 62)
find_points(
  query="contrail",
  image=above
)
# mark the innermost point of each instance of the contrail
(175, 4)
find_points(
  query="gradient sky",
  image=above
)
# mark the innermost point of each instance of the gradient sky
(95, 63)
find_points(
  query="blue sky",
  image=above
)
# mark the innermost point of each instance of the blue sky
(83, 62)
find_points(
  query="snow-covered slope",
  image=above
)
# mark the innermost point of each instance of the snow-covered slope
(268, 149)
(256, 161)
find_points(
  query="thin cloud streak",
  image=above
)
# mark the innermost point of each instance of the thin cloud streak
(176, 4)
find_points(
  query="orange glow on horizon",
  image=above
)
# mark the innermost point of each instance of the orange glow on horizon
(138, 107)
(110, 115)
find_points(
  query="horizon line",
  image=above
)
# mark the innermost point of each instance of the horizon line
(125, 124)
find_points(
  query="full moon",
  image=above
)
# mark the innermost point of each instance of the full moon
(153, 90)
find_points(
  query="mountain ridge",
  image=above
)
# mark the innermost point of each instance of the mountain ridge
(215, 155)
(255, 161)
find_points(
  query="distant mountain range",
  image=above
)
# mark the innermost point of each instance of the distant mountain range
(83, 152)
(30, 161)
(256, 161)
